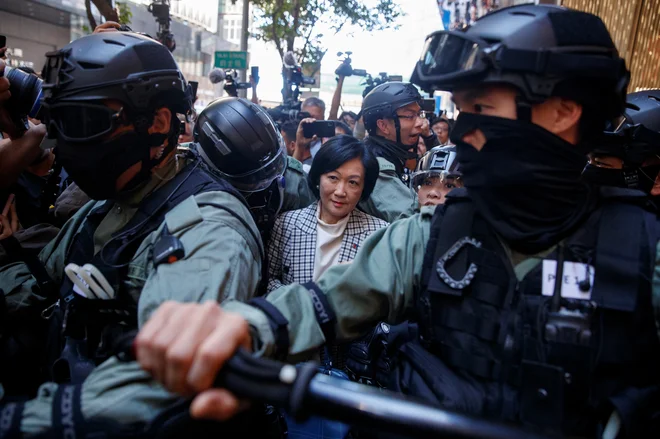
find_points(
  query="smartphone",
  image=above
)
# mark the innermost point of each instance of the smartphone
(255, 74)
(428, 105)
(320, 128)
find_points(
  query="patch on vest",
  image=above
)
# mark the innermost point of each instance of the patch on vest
(577, 280)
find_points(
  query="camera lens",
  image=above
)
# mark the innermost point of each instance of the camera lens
(25, 92)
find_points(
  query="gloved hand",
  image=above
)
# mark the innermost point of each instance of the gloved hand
(368, 360)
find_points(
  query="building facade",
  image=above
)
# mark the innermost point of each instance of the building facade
(35, 27)
(635, 28)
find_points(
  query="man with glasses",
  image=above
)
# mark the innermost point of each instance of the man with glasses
(440, 127)
(394, 119)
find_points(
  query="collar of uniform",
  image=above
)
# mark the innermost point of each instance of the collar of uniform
(385, 165)
(158, 178)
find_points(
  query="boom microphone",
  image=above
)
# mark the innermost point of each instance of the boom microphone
(216, 76)
(289, 59)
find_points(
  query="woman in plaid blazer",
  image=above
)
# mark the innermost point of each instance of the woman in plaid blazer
(305, 242)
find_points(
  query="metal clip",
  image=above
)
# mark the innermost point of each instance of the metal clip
(471, 271)
(47, 313)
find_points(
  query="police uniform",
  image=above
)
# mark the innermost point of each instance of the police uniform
(297, 193)
(212, 269)
(391, 198)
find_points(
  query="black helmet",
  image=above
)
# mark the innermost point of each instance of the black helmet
(635, 135)
(535, 48)
(239, 141)
(133, 69)
(438, 162)
(643, 108)
(383, 101)
(634, 138)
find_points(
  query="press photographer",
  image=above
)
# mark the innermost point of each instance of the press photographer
(18, 94)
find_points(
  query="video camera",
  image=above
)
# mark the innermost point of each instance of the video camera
(289, 111)
(25, 100)
(160, 9)
(232, 86)
(382, 78)
(346, 69)
(293, 79)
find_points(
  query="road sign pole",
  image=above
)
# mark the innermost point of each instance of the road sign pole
(245, 32)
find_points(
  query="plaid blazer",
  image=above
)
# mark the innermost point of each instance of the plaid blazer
(292, 245)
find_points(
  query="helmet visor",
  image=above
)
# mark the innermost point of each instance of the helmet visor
(449, 54)
(261, 178)
(431, 178)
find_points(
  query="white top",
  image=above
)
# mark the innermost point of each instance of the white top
(328, 243)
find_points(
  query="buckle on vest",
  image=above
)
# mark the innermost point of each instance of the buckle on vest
(449, 254)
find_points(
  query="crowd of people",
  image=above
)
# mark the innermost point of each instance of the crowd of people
(400, 249)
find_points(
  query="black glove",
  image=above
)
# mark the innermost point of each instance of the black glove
(368, 360)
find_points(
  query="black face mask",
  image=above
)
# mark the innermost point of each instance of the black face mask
(95, 167)
(395, 153)
(525, 181)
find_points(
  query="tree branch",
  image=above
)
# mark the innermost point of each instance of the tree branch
(90, 16)
(108, 12)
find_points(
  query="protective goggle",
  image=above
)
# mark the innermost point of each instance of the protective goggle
(450, 57)
(424, 178)
(82, 122)
(634, 144)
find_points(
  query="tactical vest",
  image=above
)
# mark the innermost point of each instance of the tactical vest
(83, 330)
(556, 366)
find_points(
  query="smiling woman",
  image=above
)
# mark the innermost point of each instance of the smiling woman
(306, 242)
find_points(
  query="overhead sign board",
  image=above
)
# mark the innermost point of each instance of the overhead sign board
(231, 60)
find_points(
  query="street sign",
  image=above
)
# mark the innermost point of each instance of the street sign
(231, 60)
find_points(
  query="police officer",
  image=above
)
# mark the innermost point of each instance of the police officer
(627, 155)
(394, 119)
(163, 228)
(437, 173)
(497, 337)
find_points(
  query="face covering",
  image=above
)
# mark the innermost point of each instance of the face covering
(95, 167)
(395, 153)
(525, 181)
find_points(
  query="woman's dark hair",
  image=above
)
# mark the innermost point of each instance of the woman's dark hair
(344, 127)
(337, 151)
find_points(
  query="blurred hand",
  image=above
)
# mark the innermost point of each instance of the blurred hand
(4, 84)
(184, 346)
(108, 26)
(302, 142)
(9, 220)
(426, 128)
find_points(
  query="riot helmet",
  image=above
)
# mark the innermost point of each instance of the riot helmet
(100, 82)
(437, 173)
(628, 153)
(239, 142)
(383, 101)
(534, 48)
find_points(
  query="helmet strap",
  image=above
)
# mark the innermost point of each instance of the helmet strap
(523, 109)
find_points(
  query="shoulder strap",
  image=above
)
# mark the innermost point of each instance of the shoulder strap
(624, 230)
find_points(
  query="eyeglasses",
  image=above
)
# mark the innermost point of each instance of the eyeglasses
(421, 115)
